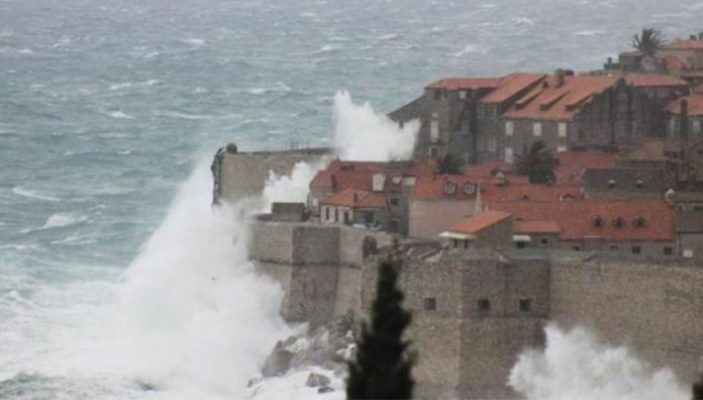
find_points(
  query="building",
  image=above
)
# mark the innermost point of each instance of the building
(487, 229)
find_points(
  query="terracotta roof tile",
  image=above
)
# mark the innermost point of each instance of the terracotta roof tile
(536, 227)
(559, 102)
(465, 83)
(356, 198)
(671, 62)
(511, 85)
(695, 105)
(479, 222)
(687, 44)
(576, 218)
(358, 175)
(654, 80)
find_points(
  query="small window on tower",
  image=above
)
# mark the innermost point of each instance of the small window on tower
(484, 305)
(429, 303)
(525, 305)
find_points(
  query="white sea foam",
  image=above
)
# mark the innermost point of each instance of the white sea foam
(362, 134)
(119, 115)
(194, 42)
(469, 49)
(577, 366)
(291, 188)
(33, 194)
(64, 219)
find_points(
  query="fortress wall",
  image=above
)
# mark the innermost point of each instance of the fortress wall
(654, 308)
(244, 174)
(348, 291)
(271, 242)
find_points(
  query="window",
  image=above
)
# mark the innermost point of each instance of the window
(525, 305)
(520, 245)
(619, 222)
(393, 225)
(562, 129)
(336, 215)
(576, 248)
(368, 217)
(537, 129)
(509, 128)
(636, 249)
(545, 241)
(483, 305)
(639, 222)
(668, 250)
(561, 149)
(469, 188)
(509, 155)
(696, 127)
(437, 94)
(466, 244)
(462, 94)
(614, 248)
(639, 184)
(434, 152)
(434, 130)
(449, 188)
(491, 143)
(455, 242)
(429, 303)
(327, 213)
(612, 184)
(597, 222)
(672, 127)
(394, 201)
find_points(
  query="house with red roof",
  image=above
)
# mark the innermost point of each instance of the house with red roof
(487, 229)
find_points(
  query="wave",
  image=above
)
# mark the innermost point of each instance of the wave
(62, 220)
(33, 194)
(119, 115)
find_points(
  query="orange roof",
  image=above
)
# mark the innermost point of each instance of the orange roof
(434, 187)
(550, 101)
(535, 227)
(573, 164)
(356, 198)
(695, 105)
(358, 175)
(510, 86)
(479, 222)
(671, 62)
(575, 219)
(465, 83)
(654, 80)
(688, 44)
(529, 192)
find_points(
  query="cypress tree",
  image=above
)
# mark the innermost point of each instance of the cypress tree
(382, 369)
(698, 390)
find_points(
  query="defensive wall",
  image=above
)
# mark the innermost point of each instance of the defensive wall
(475, 311)
(243, 174)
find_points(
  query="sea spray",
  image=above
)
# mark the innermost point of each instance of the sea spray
(198, 318)
(575, 365)
(362, 134)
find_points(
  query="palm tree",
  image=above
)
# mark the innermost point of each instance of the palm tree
(648, 42)
(538, 163)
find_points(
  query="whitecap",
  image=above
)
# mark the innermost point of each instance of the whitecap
(120, 115)
(308, 14)
(469, 49)
(62, 220)
(523, 21)
(390, 36)
(257, 91)
(125, 152)
(33, 194)
(328, 48)
(194, 42)
(118, 86)
(590, 32)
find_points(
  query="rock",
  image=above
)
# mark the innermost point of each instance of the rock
(278, 362)
(325, 389)
(315, 380)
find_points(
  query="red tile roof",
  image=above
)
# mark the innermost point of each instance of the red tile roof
(535, 227)
(575, 219)
(573, 164)
(559, 102)
(671, 62)
(358, 175)
(434, 187)
(465, 83)
(688, 44)
(695, 105)
(479, 222)
(654, 80)
(529, 193)
(356, 198)
(510, 85)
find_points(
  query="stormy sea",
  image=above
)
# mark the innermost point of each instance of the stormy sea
(117, 278)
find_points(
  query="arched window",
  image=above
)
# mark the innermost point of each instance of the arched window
(469, 188)
(597, 222)
(619, 222)
(639, 184)
(612, 184)
(639, 222)
(449, 188)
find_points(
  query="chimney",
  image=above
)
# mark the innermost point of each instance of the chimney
(559, 74)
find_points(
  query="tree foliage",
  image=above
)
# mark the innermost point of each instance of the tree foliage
(648, 42)
(382, 369)
(449, 165)
(538, 163)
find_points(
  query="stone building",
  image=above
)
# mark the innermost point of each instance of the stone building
(685, 118)
(482, 119)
